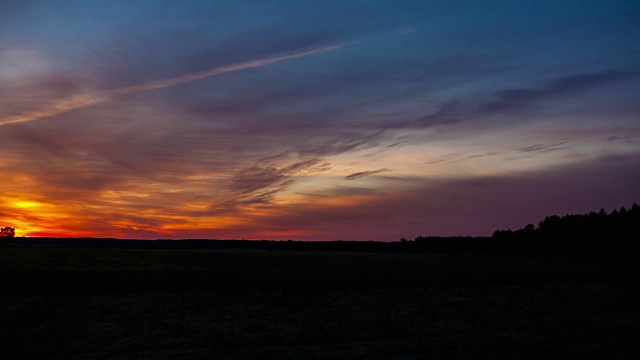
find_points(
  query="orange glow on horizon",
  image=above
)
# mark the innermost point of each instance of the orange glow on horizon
(130, 212)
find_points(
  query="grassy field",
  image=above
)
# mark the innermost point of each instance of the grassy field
(58, 303)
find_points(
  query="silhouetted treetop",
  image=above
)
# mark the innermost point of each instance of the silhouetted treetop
(7, 232)
(578, 233)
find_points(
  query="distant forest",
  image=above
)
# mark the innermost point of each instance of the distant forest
(600, 232)
(613, 234)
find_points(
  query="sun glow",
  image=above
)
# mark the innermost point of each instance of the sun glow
(27, 204)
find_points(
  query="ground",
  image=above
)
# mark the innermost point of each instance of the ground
(61, 303)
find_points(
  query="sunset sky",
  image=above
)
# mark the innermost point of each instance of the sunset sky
(314, 120)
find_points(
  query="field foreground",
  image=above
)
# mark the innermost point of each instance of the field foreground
(63, 303)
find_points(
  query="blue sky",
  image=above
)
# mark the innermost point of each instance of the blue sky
(315, 120)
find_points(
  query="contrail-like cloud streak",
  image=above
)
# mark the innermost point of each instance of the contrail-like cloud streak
(88, 99)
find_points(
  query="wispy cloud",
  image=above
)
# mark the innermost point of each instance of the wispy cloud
(542, 148)
(58, 107)
(218, 71)
(259, 184)
(84, 100)
(361, 174)
(518, 99)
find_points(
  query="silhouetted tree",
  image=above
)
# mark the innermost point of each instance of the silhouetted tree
(7, 232)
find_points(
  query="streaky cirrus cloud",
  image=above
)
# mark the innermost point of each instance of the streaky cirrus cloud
(361, 174)
(84, 100)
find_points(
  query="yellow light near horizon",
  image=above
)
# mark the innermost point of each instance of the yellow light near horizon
(23, 228)
(26, 204)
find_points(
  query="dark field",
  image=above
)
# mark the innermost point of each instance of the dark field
(58, 303)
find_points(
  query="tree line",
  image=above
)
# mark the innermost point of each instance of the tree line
(593, 234)
(621, 223)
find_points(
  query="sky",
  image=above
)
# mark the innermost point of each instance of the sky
(314, 120)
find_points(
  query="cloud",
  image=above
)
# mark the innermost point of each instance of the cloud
(579, 82)
(217, 71)
(361, 174)
(343, 144)
(84, 100)
(58, 107)
(263, 198)
(463, 207)
(246, 45)
(520, 99)
(543, 148)
(260, 183)
(527, 102)
(259, 177)
(270, 175)
(493, 107)
(449, 112)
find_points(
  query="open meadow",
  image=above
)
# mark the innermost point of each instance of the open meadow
(74, 303)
